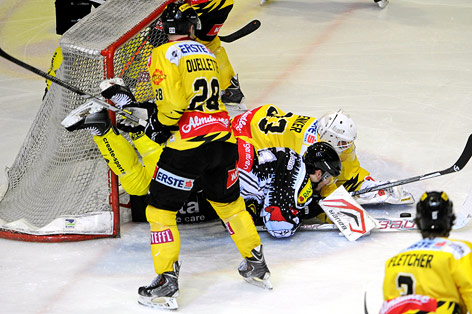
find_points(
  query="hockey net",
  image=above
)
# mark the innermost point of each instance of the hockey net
(59, 187)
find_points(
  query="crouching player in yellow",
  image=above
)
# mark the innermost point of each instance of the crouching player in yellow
(270, 126)
(434, 275)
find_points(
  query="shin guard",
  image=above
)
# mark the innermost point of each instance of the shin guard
(239, 224)
(165, 238)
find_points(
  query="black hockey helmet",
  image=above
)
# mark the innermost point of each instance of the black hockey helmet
(178, 17)
(434, 214)
(322, 156)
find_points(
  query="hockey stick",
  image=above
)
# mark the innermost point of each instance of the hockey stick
(72, 88)
(386, 225)
(460, 163)
(244, 31)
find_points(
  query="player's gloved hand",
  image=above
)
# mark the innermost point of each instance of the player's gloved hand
(393, 195)
(116, 90)
(141, 110)
(155, 130)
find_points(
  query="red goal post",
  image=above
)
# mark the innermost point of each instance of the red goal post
(59, 188)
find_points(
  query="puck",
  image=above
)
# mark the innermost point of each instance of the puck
(405, 215)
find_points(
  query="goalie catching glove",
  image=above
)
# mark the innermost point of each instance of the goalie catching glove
(394, 195)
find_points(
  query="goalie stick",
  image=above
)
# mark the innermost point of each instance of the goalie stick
(72, 88)
(459, 165)
(244, 31)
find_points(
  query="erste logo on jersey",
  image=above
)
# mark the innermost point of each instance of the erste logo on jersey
(241, 124)
(172, 180)
(311, 134)
(193, 48)
(193, 123)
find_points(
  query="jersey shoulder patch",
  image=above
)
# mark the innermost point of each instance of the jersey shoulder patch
(457, 248)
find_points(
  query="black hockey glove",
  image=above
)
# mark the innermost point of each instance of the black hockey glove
(155, 130)
(141, 110)
(116, 90)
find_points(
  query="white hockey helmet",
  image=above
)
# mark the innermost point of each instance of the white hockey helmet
(338, 129)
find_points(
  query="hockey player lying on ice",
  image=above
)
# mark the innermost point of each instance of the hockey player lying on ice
(263, 128)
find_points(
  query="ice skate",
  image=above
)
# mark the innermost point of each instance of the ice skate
(89, 116)
(162, 292)
(254, 269)
(233, 96)
(381, 3)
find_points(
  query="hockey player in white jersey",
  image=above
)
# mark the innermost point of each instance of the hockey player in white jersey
(280, 187)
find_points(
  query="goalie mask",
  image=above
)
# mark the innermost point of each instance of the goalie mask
(338, 129)
(322, 156)
(434, 214)
(177, 19)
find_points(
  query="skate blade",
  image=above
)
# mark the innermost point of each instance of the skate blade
(167, 303)
(263, 283)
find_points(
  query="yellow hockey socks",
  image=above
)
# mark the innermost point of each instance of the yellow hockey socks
(239, 224)
(165, 238)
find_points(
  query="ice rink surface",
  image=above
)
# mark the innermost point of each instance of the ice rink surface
(403, 73)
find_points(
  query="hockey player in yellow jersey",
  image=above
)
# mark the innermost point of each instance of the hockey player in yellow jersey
(434, 275)
(198, 151)
(270, 126)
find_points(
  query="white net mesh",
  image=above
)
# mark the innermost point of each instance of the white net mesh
(58, 183)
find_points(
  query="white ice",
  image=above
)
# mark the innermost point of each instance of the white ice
(404, 74)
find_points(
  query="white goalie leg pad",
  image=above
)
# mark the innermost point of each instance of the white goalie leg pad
(395, 195)
(350, 218)
(167, 303)
(81, 112)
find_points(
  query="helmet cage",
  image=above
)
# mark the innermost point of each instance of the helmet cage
(338, 129)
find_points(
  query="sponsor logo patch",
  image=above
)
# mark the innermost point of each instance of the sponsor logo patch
(193, 123)
(214, 30)
(158, 76)
(165, 236)
(241, 124)
(232, 178)
(173, 180)
(246, 155)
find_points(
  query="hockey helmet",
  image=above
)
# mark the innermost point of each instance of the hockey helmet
(178, 17)
(338, 129)
(322, 156)
(434, 213)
